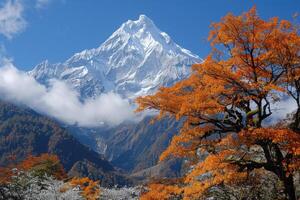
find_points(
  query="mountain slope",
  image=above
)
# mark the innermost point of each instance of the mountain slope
(135, 60)
(138, 146)
(135, 147)
(23, 132)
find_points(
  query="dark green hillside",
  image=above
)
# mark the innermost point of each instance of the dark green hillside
(24, 132)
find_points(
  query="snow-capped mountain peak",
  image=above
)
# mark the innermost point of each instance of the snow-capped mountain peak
(142, 23)
(135, 60)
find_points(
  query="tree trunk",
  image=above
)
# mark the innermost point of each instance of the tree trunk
(289, 188)
(296, 124)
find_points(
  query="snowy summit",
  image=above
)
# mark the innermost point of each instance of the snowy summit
(135, 60)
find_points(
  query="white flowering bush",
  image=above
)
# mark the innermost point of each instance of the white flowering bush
(124, 193)
(25, 186)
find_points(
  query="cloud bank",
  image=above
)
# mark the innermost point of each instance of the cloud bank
(61, 101)
(11, 18)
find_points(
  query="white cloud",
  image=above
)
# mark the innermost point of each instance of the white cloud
(42, 3)
(62, 102)
(282, 108)
(11, 18)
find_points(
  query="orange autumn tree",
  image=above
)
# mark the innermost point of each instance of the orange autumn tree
(44, 164)
(163, 190)
(90, 189)
(227, 101)
(159, 191)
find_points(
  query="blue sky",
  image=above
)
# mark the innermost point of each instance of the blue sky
(56, 29)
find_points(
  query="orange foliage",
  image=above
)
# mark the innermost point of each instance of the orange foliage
(226, 100)
(90, 189)
(5, 175)
(45, 163)
(232, 163)
(39, 165)
(50, 165)
(161, 192)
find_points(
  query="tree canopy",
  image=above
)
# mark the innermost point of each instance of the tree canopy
(227, 103)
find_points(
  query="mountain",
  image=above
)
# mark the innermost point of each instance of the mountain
(24, 132)
(135, 147)
(138, 146)
(135, 60)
